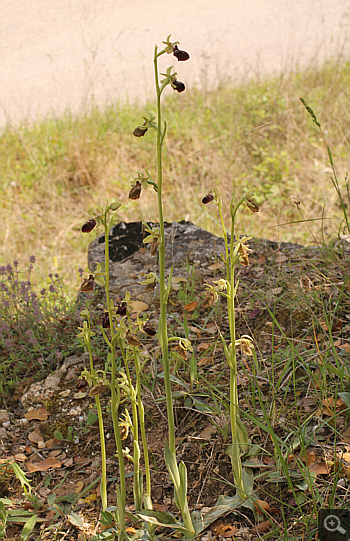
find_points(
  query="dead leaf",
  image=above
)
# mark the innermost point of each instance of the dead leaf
(191, 306)
(280, 257)
(40, 414)
(319, 468)
(345, 346)
(52, 443)
(43, 465)
(261, 505)
(310, 457)
(208, 431)
(81, 460)
(216, 266)
(79, 487)
(211, 328)
(21, 457)
(276, 290)
(263, 527)
(49, 518)
(65, 393)
(137, 306)
(55, 453)
(220, 529)
(35, 437)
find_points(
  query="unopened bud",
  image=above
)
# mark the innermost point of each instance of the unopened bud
(295, 201)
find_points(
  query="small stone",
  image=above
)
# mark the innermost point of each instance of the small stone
(6, 424)
(3, 433)
(4, 417)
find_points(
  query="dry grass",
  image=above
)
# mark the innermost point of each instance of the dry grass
(54, 172)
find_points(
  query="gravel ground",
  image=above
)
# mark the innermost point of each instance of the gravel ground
(67, 53)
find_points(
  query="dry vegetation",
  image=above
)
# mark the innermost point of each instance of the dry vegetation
(257, 135)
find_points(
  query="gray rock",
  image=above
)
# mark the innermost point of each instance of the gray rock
(3, 433)
(131, 260)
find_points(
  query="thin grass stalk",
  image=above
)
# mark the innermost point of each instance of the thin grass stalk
(103, 485)
(115, 399)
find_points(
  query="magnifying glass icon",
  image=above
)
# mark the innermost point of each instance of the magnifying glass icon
(332, 524)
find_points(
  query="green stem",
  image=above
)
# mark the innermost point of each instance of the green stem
(115, 398)
(103, 486)
(236, 460)
(142, 427)
(163, 333)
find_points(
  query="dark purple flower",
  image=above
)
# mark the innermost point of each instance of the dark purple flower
(89, 225)
(149, 329)
(15, 263)
(180, 55)
(32, 259)
(2, 270)
(121, 310)
(207, 199)
(9, 269)
(178, 86)
(139, 131)
(105, 321)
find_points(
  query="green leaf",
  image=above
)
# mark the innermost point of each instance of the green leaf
(346, 398)
(91, 418)
(75, 520)
(162, 519)
(170, 461)
(28, 527)
(21, 476)
(58, 435)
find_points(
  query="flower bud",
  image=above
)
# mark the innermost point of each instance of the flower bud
(88, 226)
(178, 86)
(180, 55)
(295, 201)
(207, 199)
(135, 191)
(139, 131)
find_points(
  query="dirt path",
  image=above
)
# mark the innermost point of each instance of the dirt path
(63, 54)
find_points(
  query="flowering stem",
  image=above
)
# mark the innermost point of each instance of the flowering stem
(115, 399)
(163, 333)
